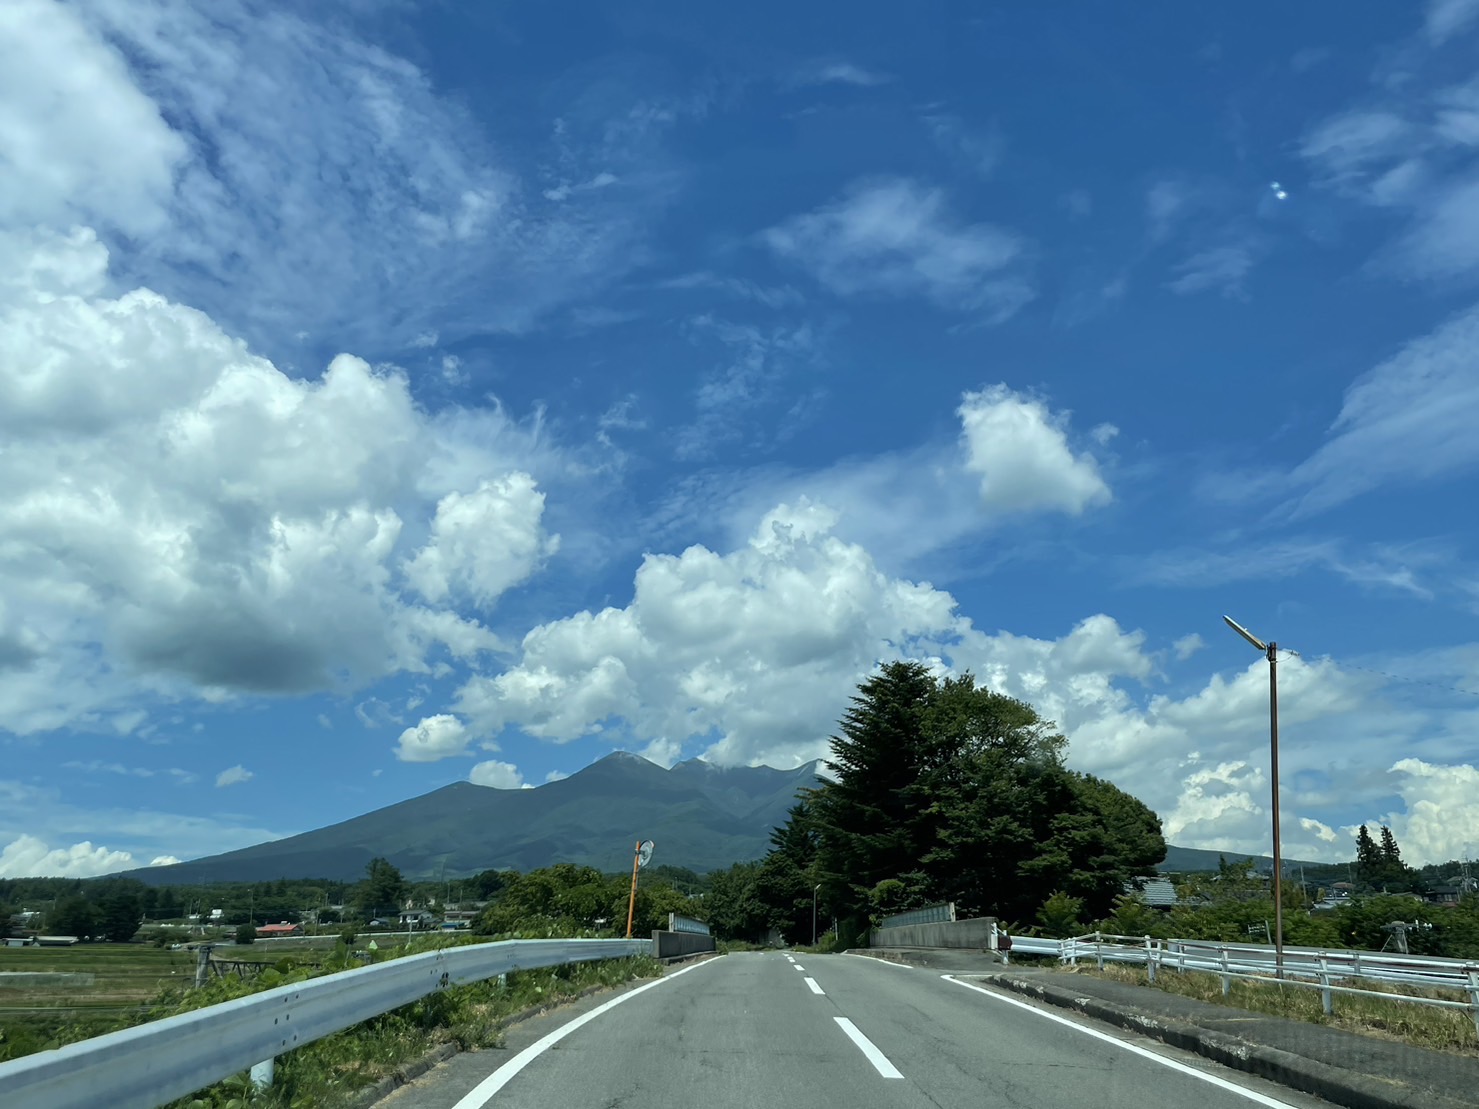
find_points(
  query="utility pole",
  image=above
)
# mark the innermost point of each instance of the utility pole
(1271, 652)
(814, 913)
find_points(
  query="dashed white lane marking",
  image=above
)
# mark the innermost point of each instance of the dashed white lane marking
(812, 982)
(1251, 1095)
(877, 1058)
(483, 1092)
(798, 966)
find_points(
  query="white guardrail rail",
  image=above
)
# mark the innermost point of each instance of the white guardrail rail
(154, 1063)
(1308, 967)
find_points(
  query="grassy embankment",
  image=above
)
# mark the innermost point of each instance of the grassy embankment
(1440, 1029)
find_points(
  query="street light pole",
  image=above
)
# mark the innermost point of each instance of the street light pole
(1271, 652)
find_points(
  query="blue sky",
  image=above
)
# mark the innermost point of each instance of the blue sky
(400, 393)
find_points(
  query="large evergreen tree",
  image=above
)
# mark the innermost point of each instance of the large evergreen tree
(870, 825)
(947, 791)
(381, 890)
(1368, 857)
(73, 916)
(118, 916)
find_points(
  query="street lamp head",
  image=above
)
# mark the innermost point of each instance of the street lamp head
(1246, 634)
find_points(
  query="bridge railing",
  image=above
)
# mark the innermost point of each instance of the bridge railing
(1303, 967)
(154, 1063)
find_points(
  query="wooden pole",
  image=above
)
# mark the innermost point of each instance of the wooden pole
(632, 901)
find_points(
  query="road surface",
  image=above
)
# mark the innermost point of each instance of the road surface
(770, 1028)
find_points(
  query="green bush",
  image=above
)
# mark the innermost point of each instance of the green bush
(247, 933)
(1060, 915)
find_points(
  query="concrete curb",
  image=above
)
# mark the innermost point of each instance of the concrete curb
(1355, 1091)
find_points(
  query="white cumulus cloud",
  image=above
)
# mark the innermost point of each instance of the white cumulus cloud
(233, 775)
(1021, 452)
(29, 857)
(178, 517)
(499, 775)
(1441, 820)
(76, 135)
(164, 860)
(483, 542)
(750, 651)
(436, 737)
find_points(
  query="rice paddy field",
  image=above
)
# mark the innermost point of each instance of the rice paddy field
(97, 985)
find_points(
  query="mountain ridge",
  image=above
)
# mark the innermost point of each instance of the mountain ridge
(701, 816)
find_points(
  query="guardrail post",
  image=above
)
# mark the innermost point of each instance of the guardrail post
(1327, 998)
(262, 1074)
(1149, 959)
(202, 965)
(1226, 979)
(1099, 948)
(1474, 995)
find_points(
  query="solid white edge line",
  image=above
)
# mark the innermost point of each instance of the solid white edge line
(874, 959)
(872, 1054)
(812, 982)
(1251, 1095)
(483, 1092)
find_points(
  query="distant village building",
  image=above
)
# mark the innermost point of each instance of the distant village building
(1157, 893)
(1451, 893)
(269, 931)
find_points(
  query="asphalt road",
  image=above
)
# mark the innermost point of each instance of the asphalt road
(762, 1029)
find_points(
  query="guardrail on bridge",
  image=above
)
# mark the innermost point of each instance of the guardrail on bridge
(1303, 967)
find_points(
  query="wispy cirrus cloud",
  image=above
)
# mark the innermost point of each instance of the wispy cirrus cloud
(1447, 18)
(1407, 421)
(755, 363)
(1410, 148)
(287, 175)
(898, 237)
(1222, 269)
(838, 72)
(1410, 419)
(1404, 569)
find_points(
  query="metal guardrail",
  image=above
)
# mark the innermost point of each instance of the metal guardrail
(680, 923)
(154, 1063)
(943, 913)
(1304, 967)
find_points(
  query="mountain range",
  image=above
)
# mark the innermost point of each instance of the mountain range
(700, 816)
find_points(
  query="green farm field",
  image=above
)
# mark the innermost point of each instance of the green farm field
(96, 986)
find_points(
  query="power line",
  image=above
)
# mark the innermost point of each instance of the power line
(1396, 677)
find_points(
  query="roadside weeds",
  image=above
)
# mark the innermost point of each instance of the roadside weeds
(1448, 1030)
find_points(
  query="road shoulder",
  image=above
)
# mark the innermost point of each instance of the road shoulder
(1330, 1063)
(441, 1078)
